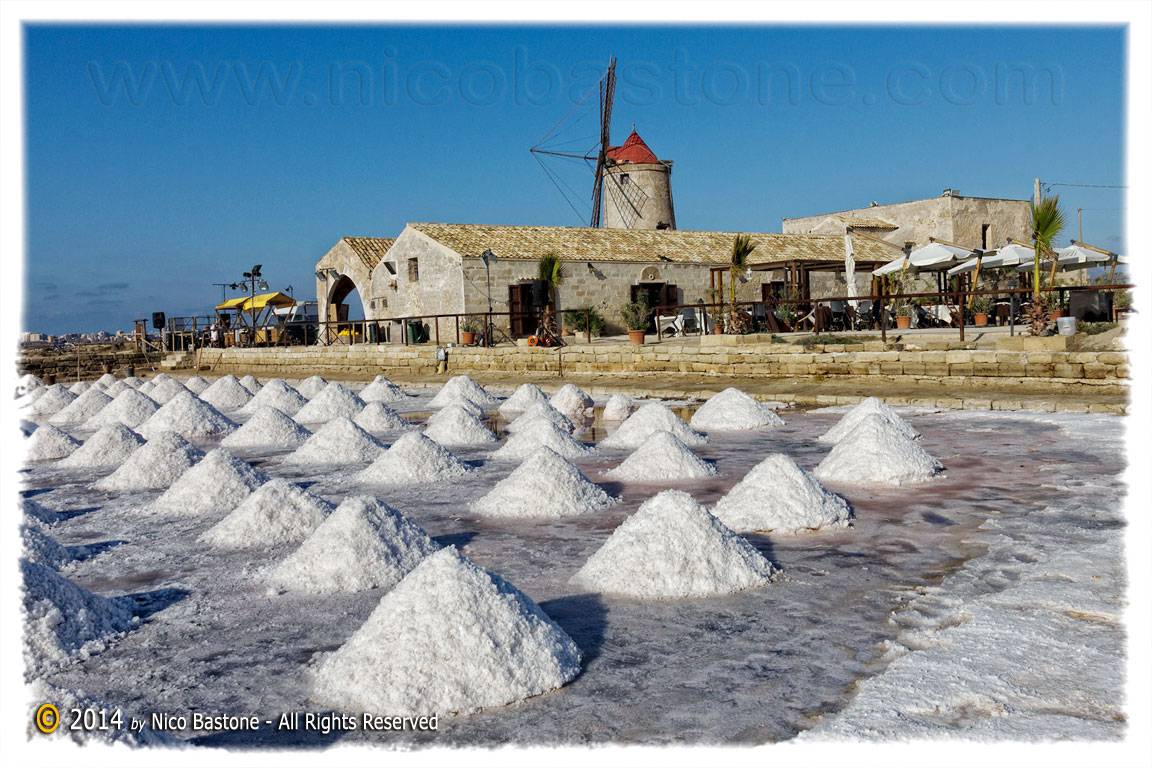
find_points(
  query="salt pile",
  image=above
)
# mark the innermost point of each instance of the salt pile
(276, 394)
(364, 544)
(525, 396)
(226, 394)
(106, 380)
(544, 486)
(312, 386)
(161, 377)
(188, 416)
(109, 446)
(84, 407)
(673, 548)
(335, 400)
(339, 441)
(250, 383)
(571, 401)
(166, 389)
(153, 466)
(662, 458)
(217, 484)
(733, 410)
(536, 434)
(645, 422)
(413, 460)
(862, 410)
(41, 548)
(455, 426)
(48, 444)
(38, 514)
(49, 400)
(618, 408)
(540, 411)
(381, 390)
(278, 512)
(197, 384)
(80, 387)
(777, 495)
(267, 428)
(29, 382)
(876, 452)
(449, 638)
(115, 388)
(378, 417)
(62, 620)
(129, 408)
(460, 388)
(133, 381)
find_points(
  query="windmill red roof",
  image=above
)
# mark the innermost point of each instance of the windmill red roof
(633, 150)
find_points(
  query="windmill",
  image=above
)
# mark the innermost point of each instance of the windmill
(596, 157)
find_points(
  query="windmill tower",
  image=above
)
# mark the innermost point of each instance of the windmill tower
(631, 187)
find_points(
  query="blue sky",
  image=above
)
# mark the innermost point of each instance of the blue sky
(161, 160)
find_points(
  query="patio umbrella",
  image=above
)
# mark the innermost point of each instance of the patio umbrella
(932, 257)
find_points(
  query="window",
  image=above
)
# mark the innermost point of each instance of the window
(390, 267)
(413, 270)
(623, 179)
(984, 236)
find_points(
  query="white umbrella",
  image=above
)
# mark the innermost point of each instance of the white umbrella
(933, 257)
(1010, 255)
(1080, 254)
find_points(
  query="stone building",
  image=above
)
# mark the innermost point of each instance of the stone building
(438, 269)
(637, 187)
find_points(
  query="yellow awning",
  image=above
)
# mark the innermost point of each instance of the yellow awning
(257, 302)
(232, 303)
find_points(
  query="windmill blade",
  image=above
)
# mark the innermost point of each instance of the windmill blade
(607, 95)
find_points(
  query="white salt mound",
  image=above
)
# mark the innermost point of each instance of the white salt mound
(226, 394)
(364, 544)
(116, 387)
(161, 377)
(278, 512)
(460, 388)
(334, 401)
(250, 383)
(876, 452)
(381, 390)
(197, 384)
(867, 407)
(525, 396)
(80, 387)
(50, 400)
(41, 548)
(312, 386)
(108, 447)
(662, 458)
(63, 621)
(166, 389)
(449, 638)
(133, 381)
(129, 408)
(38, 514)
(106, 380)
(28, 382)
(536, 434)
(413, 460)
(188, 416)
(673, 548)
(455, 426)
(378, 417)
(153, 466)
(84, 407)
(777, 495)
(544, 486)
(618, 408)
(217, 484)
(48, 444)
(339, 441)
(645, 422)
(267, 428)
(733, 410)
(276, 394)
(539, 411)
(571, 401)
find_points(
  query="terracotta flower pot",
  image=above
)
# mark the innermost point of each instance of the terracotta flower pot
(717, 329)
(637, 337)
(903, 322)
(981, 319)
(467, 338)
(1056, 314)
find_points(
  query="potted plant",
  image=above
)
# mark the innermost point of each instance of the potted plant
(635, 317)
(904, 315)
(468, 332)
(584, 320)
(1056, 310)
(980, 308)
(714, 297)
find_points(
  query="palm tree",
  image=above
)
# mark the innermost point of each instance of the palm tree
(1047, 222)
(550, 272)
(742, 247)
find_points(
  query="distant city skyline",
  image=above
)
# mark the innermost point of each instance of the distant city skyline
(164, 159)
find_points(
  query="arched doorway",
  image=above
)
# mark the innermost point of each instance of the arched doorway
(346, 309)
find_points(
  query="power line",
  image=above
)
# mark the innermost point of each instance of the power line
(1085, 186)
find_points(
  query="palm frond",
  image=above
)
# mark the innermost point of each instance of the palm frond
(550, 270)
(742, 247)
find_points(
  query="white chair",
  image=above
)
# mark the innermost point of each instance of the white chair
(670, 325)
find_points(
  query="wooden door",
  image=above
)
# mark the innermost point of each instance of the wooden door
(516, 308)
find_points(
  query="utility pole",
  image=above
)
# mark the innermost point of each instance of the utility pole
(1079, 225)
(1036, 191)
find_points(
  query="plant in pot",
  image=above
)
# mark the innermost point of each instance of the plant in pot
(904, 314)
(585, 320)
(635, 317)
(468, 331)
(980, 309)
(1047, 223)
